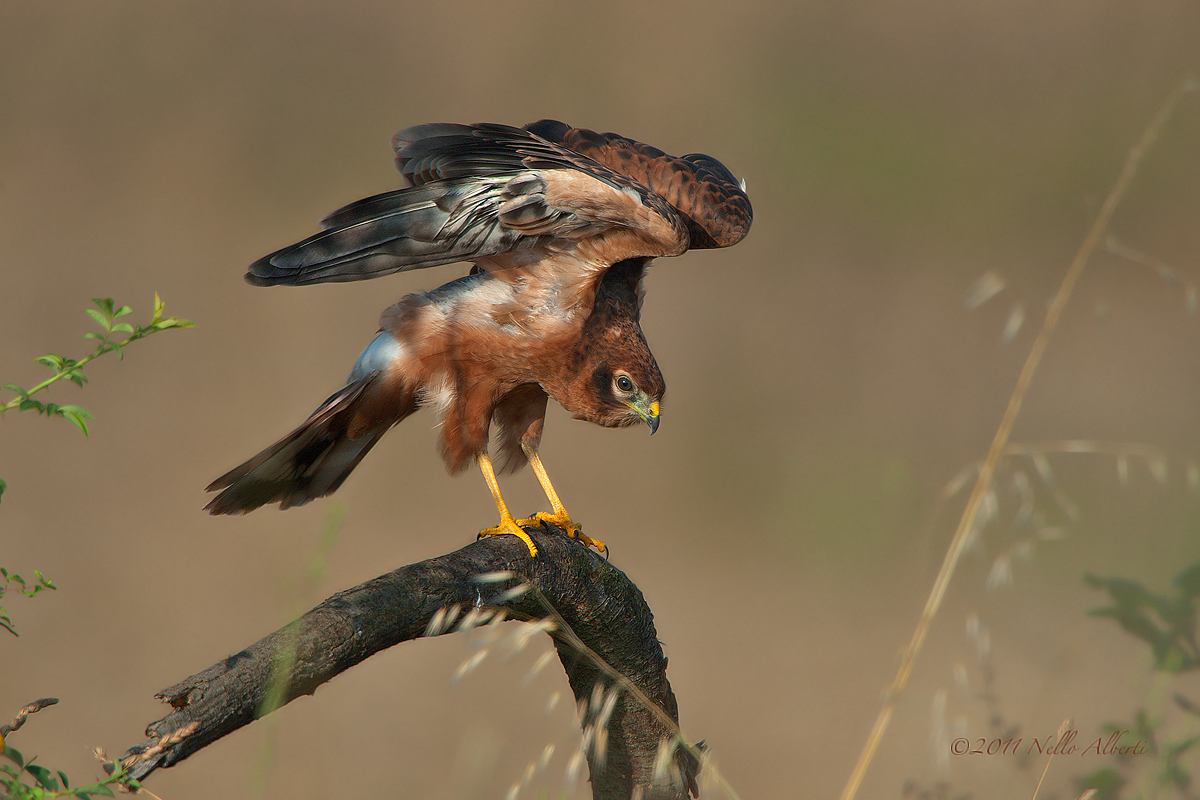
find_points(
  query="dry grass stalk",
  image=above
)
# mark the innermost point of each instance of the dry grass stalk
(1067, 724)
(623, 683)
(1000, 440)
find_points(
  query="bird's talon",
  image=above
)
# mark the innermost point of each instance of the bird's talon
(511, 527)
(572, 528)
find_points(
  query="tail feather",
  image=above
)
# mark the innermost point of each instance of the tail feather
(310, 462)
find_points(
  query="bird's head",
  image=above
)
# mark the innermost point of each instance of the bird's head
(624, 392)
(618, 383)
(612, 378)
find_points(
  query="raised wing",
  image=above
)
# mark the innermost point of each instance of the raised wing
(701, 189)
(478, 192)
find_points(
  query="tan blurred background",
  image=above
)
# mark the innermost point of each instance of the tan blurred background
(826, 378)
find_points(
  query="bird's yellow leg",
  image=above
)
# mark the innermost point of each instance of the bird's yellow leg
(559, 517)
(507, 523)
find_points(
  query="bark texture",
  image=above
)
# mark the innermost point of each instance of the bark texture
(601, 626)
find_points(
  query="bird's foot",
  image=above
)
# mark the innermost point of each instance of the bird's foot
(508, 525)
(572, 528)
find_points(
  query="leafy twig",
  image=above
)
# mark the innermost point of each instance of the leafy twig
(55, 783)
(105, 315)
(42, 583)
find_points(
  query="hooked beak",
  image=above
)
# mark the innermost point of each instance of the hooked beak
(652, 417)
(647, 411)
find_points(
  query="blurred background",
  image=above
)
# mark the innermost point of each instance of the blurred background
(921, 173)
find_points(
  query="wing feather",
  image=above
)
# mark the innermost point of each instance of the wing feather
(479, 192)
(424, 226)
(699, 187)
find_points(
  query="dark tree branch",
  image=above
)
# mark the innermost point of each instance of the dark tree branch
(599, 621)
(23, 714)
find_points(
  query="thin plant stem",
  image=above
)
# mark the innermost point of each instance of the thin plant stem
(565, 631)
(16, 401)
(1000, 440)
(1067, 724)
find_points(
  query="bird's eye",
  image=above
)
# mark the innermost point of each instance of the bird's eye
(624, 383)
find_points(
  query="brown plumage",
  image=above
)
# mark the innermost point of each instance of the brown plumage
(560, 224)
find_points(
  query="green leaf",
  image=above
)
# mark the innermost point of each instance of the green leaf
(42, 584)
(43, 776)
(14, 755)
(78, 416)
(100, 319)
(3, 486)
(1129, 594)
(1134, 622)
(1144, 726)
(1188, 581)
(1173, 659)
(1175, 775)
(62, 776)
(159, 323)
(122, 311)
(52, 360)
(123, 327)
(1179, 748)
(173, 322)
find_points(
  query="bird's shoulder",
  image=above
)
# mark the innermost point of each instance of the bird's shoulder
(525, 306)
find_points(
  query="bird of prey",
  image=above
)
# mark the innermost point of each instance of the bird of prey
(560, 224)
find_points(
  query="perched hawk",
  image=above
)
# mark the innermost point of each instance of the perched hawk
(560, 224)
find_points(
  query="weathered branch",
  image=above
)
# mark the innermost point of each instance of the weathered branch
(601, 626)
